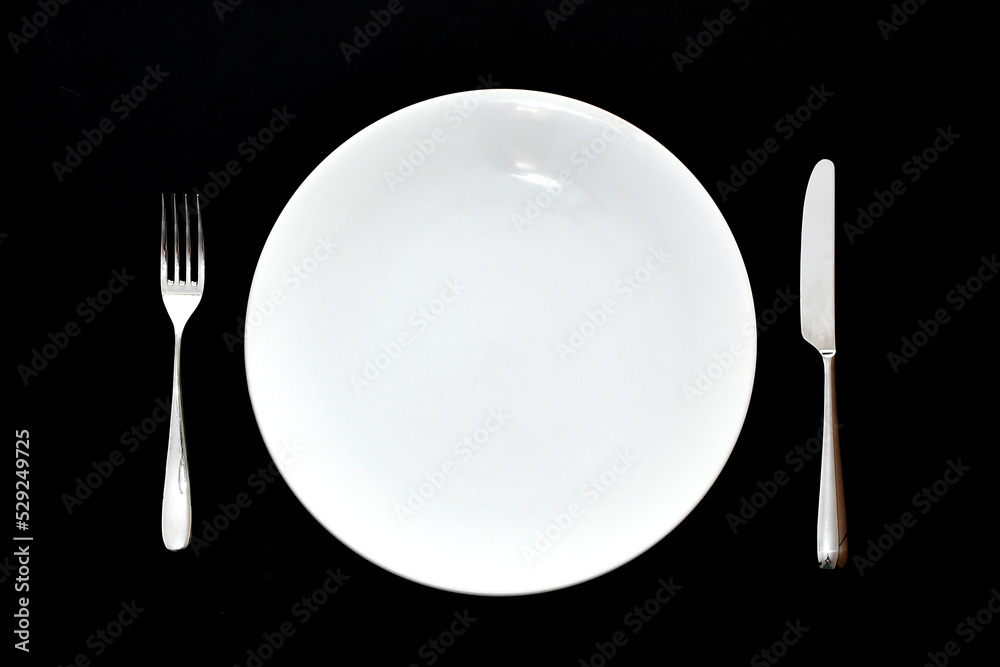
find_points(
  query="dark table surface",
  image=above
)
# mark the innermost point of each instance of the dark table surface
(111, 103)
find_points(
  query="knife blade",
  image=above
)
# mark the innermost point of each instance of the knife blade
(816, 299)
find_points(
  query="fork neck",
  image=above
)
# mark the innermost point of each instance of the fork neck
(177, 351)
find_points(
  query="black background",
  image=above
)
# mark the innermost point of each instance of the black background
(227, 72)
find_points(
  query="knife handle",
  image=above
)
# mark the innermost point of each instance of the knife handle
(831, 526)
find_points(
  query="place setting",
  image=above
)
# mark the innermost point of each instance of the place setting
(537, 333)
(502, 342)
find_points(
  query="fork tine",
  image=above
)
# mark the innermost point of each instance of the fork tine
(201, 244)
(177, 244)
(163, 241)
(187, 241)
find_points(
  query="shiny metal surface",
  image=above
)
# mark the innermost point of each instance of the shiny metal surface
(180, 297)
(818, 328)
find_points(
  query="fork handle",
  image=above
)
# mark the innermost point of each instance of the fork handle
(831, 528)
(176, 519)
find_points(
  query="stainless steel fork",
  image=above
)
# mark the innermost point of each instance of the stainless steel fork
(181, 295)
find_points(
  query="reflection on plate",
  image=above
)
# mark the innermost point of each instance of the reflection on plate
(500, 342)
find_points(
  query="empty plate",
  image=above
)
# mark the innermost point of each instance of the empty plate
(500, 342)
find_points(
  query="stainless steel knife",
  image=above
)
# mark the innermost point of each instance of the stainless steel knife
(817, 308)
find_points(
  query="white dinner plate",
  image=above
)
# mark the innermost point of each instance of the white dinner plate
(500, 342)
